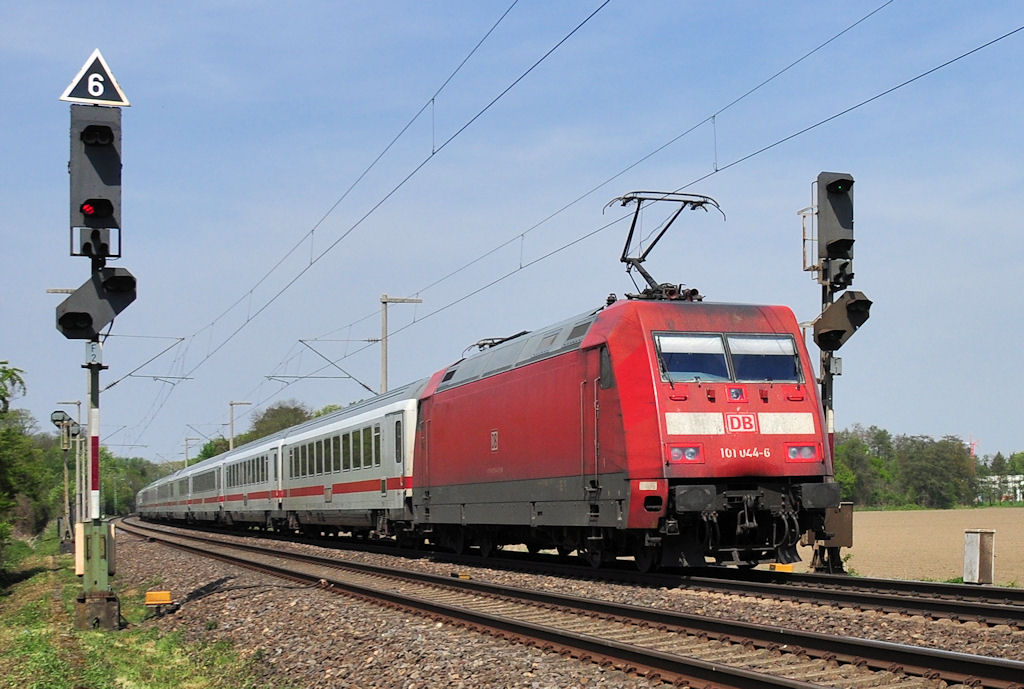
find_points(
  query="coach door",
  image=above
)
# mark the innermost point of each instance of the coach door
(275, 481)
(393, 461)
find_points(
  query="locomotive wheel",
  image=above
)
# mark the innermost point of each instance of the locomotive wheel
(564, 550)
(592, 557)
(410, 541)
(459, 541)
(533, 547)
(646, 558)
(487, 548)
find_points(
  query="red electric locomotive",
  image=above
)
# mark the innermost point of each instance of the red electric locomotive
(662, 427)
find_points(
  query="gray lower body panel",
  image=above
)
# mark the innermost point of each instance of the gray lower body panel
(572, 501)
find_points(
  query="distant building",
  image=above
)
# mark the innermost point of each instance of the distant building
(1008, 488)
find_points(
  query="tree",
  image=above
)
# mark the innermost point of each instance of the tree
(326, 409)
(122, 478)
(999, 465)
(213, 447)
(935, 473)
(11, 385)
(276, 418)
(861, 484)
(24, 481)
(1015, 465)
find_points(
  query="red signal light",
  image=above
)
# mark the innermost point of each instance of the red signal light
(97, 208)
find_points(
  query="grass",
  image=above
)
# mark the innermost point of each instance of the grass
(39, 649)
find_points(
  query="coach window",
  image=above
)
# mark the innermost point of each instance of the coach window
(293, 463)
(399, 450)
(303, 464)
(367, 447)
(771, 358)
(319, 456)
(684, 357)
(327, 455)
(376, 445)
(357, 449)
(346, 452)
(336, 443)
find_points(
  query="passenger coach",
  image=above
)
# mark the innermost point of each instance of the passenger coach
(350, 470)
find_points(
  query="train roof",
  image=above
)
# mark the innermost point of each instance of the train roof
(410, 391)
(528, 347)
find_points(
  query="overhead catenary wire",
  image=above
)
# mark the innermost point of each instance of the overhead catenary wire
(309, 233)
(519, 236)
(710, 118)
(392, 192)
(315, 259)
(715, 171)
(722, 168)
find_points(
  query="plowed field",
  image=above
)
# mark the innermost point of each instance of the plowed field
(929, 544)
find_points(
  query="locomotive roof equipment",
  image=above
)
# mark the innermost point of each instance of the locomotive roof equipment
(656, 290)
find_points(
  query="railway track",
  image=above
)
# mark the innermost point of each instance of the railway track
(680, 648)
(984, 604)
(987, 605)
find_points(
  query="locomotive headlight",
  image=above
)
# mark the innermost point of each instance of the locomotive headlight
(686, 453)
(802, 453)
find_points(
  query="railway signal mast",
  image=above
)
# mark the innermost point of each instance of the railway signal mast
(840, 316)
(95, 232)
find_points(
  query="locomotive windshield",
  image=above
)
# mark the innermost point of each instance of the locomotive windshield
(764, 358)
(685, 357)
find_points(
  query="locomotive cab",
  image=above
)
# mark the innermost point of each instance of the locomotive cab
(740, 439)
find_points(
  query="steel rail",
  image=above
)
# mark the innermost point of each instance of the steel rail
(929, 663)
(959, 602)
(954, 601)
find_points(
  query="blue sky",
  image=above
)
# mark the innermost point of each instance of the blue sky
(250, 120)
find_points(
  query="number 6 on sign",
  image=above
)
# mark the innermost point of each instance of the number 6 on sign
(96, 85)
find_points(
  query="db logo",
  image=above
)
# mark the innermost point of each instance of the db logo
(741, 423)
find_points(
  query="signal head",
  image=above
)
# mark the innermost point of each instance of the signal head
(842, 185)
(97, 135)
